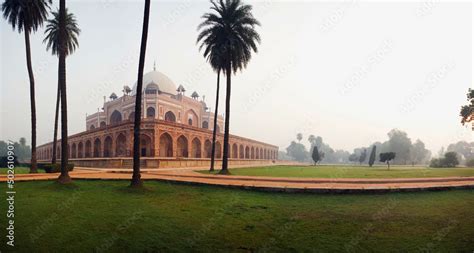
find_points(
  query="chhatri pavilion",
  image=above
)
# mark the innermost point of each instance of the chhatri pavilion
(176, 131)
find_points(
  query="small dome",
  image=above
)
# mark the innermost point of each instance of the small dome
(164, 82)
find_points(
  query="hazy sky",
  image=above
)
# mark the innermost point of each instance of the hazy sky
(347, 71)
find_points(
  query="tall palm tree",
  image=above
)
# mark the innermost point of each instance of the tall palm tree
(233, 27)
(52, 42)
(136, 177)
(63, 48)
(27, 16)
(213, 54)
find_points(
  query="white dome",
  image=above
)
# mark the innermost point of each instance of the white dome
(164, 83)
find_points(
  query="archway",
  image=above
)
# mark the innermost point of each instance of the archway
(102, 124)
(234, 151)
(218, 153)
(166, 145)
(131, 117)
(169, 116)
(121, 146)
(261, 154)
(241, 152)
(92, 127)
(115, 117)
(192, 118)
(97, 147)
(73, 154)
(196, 148)
(145, 146)
(208, 148)
(80, 150)
(88, 149)
(108, 146)
(247, 152)
(182, 147)
(252, 153)
(205, 124)
(150, 112)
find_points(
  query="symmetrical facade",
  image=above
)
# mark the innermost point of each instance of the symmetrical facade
(175, 129)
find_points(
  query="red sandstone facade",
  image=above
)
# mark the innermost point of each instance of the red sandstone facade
(176, 131)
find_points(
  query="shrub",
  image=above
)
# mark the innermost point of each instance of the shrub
(450, 160)
(470, 163)
(55, 168)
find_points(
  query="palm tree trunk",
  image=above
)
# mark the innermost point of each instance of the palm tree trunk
(215, 123)
(64, 176)
(136, 177)
(225, 170)
(33, 168)
(56, 119)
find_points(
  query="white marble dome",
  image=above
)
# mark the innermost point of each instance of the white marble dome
(164, 82)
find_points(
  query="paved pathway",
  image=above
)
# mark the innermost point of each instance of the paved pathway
(333, 185)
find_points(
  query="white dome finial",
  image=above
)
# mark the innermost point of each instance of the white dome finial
(154, 65)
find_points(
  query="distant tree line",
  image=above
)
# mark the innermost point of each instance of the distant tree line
(407, 152)
(22, 151)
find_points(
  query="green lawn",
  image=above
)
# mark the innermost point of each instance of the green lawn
(105, 216)
(20, 170)
(341, 171)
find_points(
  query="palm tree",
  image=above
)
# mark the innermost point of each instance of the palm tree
(28, 16)
(52, 40)
(214, 55)
(233, 28)
(136, 177)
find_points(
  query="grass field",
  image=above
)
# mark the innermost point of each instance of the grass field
(106, 216)
(19, 170)
(341, 171)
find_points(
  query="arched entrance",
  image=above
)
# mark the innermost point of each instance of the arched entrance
(97, 147)
(108, 146)
(121, 146)
(166, 145)
(73, 150)
(208, 148)
(182, 147)
(196, 148)
(88, 149)
(80, 150)
(205, 124)
(150, 112)
(115, 117)
(145, 146)
(247, 152)
(241, 152)
(234, 151)
(169, 116)
(218, 150)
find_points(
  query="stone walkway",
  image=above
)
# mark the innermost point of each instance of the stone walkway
(275, 184)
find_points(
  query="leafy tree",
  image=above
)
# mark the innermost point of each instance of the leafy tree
(297, 151)
(372, 156)
(387, 157)
(418, 153)
(353, 157)
(299, 137)
(463, 148)
(27, 16)
(316, 156)
(232, 25)
(136, 177)
(450, 160)
(467, 111)
(470, 163)
(363, 156)
(52, 42)
(400, 144)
